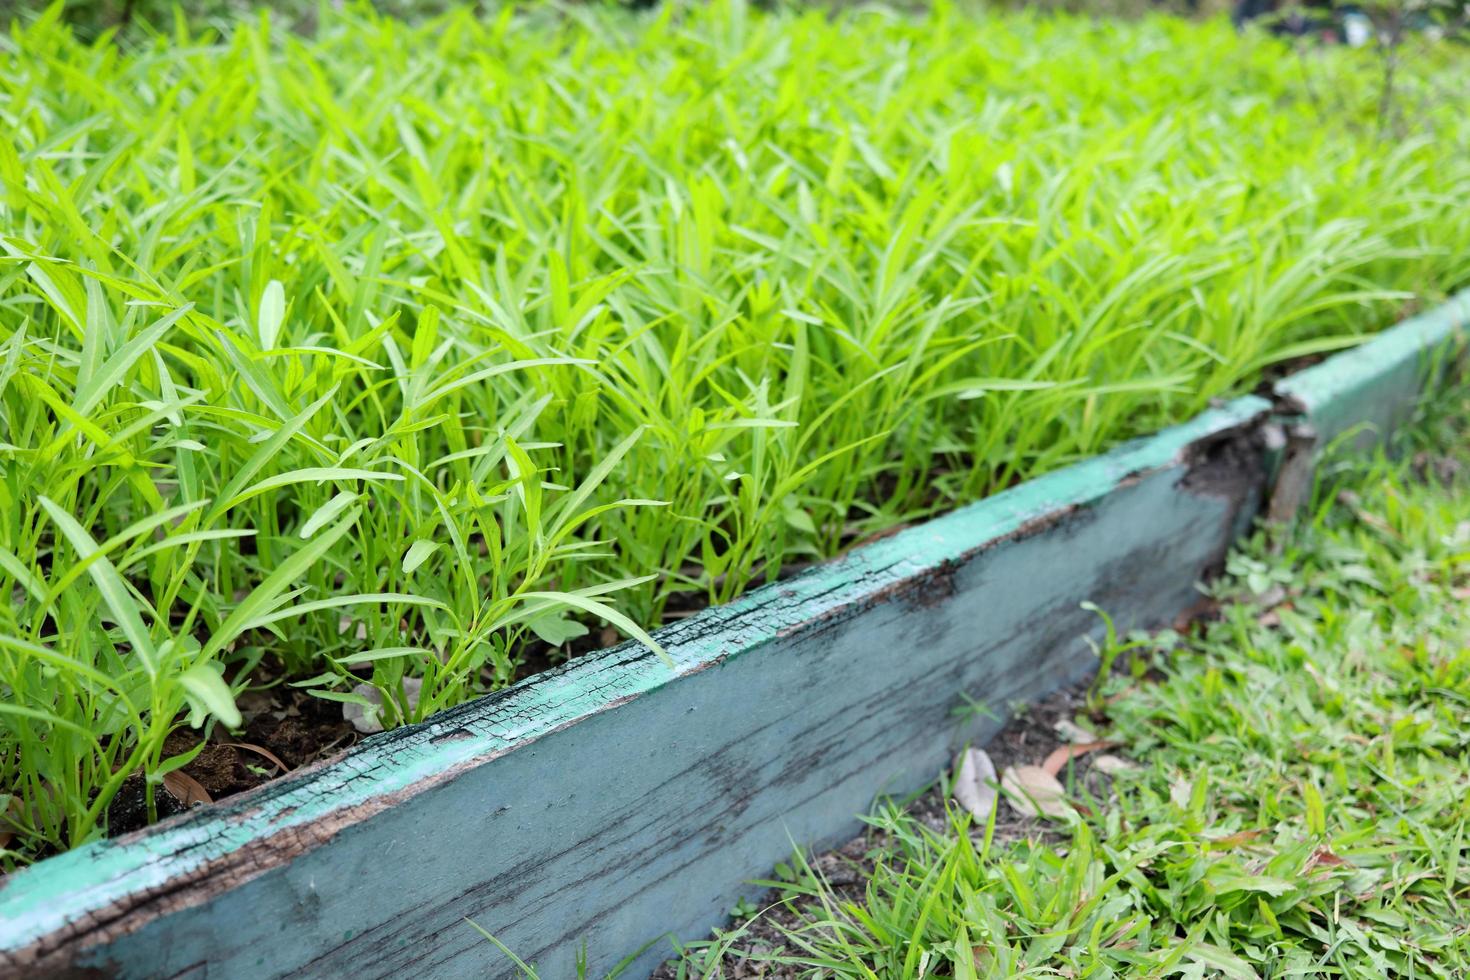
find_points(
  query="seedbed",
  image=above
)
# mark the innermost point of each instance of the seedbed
(638, 796)
(366, 372)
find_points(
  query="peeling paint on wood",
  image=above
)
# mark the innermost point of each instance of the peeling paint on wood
(616, 799)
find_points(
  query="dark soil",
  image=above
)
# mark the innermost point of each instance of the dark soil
(284, 729)
(128, 810)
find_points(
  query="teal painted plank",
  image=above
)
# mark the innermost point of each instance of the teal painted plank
(594, 751)
(1371, 390)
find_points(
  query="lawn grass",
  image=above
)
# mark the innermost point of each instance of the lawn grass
(1299, 803)
(380, 355)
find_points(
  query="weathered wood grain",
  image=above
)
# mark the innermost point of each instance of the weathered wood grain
(617, 799)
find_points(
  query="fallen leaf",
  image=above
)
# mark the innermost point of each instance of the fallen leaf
(1034, 792)
(1180, 793)
(1235, 839)
(1112, 764)
(1058, 760)
(185, 788)
(974, 783)
(260, 750)
(253, 704)
(1203, 609)
(1271, 598)
(1072, 732)
(1322, 856)
(1116, 939)
(367, 718)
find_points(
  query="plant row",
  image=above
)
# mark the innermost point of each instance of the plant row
(375, 362)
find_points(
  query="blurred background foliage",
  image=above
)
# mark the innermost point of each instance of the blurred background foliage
(92, 18)
(1388, 20)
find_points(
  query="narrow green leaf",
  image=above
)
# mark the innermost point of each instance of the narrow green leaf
(115, 594)
(418, 553)
(327, 512)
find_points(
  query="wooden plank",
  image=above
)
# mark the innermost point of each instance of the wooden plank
(1369, 391)
(615, 799)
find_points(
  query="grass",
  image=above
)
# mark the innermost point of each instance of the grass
(384, 354)
(1300, 804)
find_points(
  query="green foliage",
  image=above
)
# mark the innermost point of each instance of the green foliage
(94, 19)
(372, 355)
(1300, 808)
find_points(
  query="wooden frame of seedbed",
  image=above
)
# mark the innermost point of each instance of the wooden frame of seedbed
(609, 802)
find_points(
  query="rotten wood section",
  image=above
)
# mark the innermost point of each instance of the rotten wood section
(615, 800)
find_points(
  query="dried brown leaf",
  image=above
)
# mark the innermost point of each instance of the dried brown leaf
(1058, 760)
(1203, 609)
(259, 750)
(1324, 857)
(1114, 764)
(185, 788)
(1034, 792)
(984, 960)
(974, 783)
(1235, 839)
(1070, 731)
